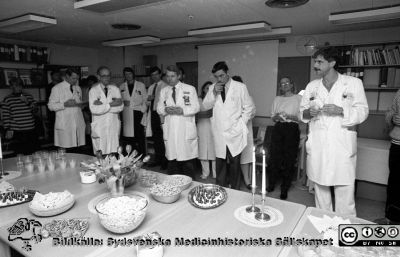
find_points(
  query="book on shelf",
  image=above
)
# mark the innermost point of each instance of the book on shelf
(371, 78)
(397, 78)
(383, 78)
(391, 76)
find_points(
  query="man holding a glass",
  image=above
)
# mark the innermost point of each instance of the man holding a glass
(333, 105)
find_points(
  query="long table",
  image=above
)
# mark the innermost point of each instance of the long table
(176, 220)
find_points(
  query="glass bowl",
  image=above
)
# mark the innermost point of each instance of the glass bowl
(124, 213)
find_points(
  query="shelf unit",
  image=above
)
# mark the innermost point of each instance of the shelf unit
(378, 65)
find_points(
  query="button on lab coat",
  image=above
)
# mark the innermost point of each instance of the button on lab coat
(332, 142)
(69, 128)
(106, 125)
(180, 133)
(137, 102)
(230, 118)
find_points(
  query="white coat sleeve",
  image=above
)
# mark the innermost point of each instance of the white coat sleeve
(248, 106)
(273, 109)
(305, 103)
(55, 104)
(194, 107)
(209, 100)
(161, 102)
(97, 109)
(357, 110)
(117, 94)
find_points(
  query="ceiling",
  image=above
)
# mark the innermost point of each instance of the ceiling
(174, 18)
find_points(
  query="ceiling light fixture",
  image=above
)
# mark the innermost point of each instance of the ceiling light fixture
(285, 3)
(107, 6)
(241, 29)
(131, 41)
(365, 15)
(26, 22)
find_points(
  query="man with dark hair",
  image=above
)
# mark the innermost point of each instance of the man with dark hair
(333, 105)
(66, 101)
(134, 95)
(232, 109)
(18, 119)
(153, 127)
(178, 104)
(105, 103)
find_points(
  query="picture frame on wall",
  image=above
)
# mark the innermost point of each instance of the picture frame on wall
(25, 76)
(8, 74)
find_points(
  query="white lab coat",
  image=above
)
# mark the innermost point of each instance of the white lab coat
(150, 91)
(230, 118)
(137, 103)
(180, 133)
(332, 142)
(206, 138)
(69, 128)
(106, 125)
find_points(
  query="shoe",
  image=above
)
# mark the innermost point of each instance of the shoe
(270, 188)
(248, 186)
(283, 195)
(203, 177)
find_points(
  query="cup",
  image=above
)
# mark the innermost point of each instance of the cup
(72, 163)
(51, 165)
(29, 167)
(41, 167)
(20, 160)
(63, 163)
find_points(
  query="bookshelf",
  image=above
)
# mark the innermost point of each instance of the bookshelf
(378, 66)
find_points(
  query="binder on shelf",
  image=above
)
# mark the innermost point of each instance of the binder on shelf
(383, 77)
(371, 78)
(397, 78)
(391, 76)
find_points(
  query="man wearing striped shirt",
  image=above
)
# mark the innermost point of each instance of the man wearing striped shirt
(19, 122)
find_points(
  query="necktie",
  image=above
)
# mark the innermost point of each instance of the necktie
(174, 94)
(72, 89)
(130, 88)
(223, 93)
(106, 91)
(154, 94)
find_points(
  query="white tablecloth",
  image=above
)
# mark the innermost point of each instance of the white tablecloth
(372, 160)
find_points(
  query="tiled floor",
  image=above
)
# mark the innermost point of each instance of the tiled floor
(366, 209)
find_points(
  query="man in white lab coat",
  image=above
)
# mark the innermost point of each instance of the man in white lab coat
(333, 105)
(66, 100)
(134, 95)
(105, 103)
(178, 104)
(153, 127)
(232, 109)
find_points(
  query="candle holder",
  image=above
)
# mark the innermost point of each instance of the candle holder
(262, 216)
(253, 208)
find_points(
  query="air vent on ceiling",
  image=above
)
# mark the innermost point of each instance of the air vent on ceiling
(126, 26)
(285, 3)
(106, 6)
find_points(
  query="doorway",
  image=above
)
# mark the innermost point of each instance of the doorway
(297, 68)
(190, 69)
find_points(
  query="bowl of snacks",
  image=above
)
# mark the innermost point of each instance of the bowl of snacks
(165, 193)
(181, 181)
(124, 213)
(51, 204)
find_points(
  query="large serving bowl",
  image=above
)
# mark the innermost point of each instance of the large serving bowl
(181, 181)
(124, 213)
(165, 193)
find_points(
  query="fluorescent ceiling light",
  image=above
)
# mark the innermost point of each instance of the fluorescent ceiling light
(107, 6)
(26, 22)
(273, 34)
(258, 27)
(366, 15)
(132, 41)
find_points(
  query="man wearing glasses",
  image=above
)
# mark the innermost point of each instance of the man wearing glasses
(105, 103)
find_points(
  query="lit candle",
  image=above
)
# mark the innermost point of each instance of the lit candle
(263, 184)
(253, 175)
(1, 151)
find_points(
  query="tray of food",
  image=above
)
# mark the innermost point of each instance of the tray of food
(74, 227)
(16, 197)
(207, 196)
(51, 204)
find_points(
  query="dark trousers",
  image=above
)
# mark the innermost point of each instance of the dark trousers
(228, 170)
(181, 167)
(26, 141)
(393, 188)
(159, 146)
(138, 141)
(283, 154)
